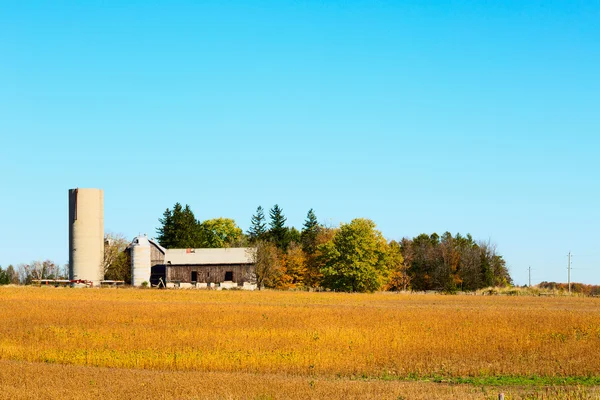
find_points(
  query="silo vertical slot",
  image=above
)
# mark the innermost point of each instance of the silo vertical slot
(75, 203)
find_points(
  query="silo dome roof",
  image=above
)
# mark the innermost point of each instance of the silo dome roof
(140, 241)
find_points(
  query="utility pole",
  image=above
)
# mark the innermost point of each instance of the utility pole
(569, 274)
(530, 276)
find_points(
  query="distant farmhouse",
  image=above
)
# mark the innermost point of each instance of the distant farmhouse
(150, 262)
(189, 268)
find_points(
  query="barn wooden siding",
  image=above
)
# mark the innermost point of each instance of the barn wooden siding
(212, 273)
(157, 257)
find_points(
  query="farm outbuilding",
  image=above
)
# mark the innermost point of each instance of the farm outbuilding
(151, 263)
(219, 268)
(86, 235)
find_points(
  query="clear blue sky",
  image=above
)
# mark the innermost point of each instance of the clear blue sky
(476, 117)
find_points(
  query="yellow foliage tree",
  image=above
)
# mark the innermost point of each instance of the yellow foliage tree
(399, 278)
(293, 268)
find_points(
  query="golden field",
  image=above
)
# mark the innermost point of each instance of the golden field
(317, 343)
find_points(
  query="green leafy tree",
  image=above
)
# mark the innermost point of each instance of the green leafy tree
(179, 228)
(314, 261)
(355, 260)
(493, 266)
(220, 232)
(258, 226)
(278, 232)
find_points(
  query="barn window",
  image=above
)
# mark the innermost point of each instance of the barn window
(194, 276)
(229, 275)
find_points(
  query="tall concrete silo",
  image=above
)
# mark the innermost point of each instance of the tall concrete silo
(140, 261)
(86, 234)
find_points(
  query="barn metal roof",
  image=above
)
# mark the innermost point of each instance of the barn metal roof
(234, 255)
(158, 246)
(143, 239)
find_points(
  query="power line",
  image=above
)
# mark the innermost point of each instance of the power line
(569, 273)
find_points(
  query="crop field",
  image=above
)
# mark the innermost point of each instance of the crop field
(125, 343)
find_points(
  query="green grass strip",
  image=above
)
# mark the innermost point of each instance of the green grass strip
(502, 380)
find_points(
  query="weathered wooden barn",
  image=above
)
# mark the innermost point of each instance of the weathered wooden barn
(226, 267)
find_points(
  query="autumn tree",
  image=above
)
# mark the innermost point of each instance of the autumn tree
(422, 255)
(292, 270)
(447, 275)
(117, 261)
(450, 263)
(355, 260)
(114, 245)
(266, 261)
(398, 278)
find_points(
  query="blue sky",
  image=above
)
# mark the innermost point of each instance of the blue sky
(463, 116)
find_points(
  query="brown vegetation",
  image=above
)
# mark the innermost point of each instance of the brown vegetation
(304, 336)
(23, 380)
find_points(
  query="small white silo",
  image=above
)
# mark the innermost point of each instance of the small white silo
(140, 261)
(86, 234)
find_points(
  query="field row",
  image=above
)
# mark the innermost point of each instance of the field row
(23, 380)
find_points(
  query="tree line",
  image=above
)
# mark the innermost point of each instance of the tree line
(581, 288)
(354, 257)
(25, 274)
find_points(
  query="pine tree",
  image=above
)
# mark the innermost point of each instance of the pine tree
(258, 226)
(179, 229)
(310, 230)
(4, 278)
(278, 231)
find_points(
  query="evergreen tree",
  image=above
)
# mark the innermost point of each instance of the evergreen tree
(258, 226)
(4, 278)
(278, 231)
(179, 229)
(292, 235)
(310, 230)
